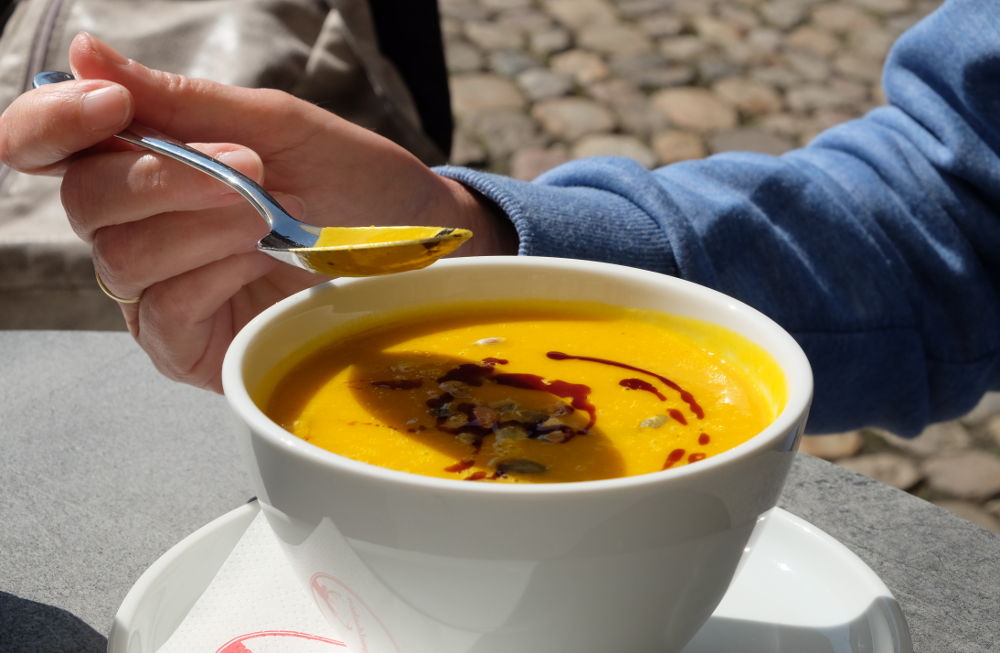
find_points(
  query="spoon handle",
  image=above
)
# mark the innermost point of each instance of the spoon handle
(276, 217)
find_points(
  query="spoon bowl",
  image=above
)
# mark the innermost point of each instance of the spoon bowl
(333, 251)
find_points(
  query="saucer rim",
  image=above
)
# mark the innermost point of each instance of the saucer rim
(863, 578)
(233, 525)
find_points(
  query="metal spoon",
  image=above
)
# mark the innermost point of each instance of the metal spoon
(335, 251)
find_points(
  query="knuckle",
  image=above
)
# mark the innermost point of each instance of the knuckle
(173, 83)
(170, 309)
(154, 180)
(114, 255)
(164, 365)
(273, 97)
(165, 315)
(6, 155)
(147, 174)
(281, 105)
(176, 85)
(77, 195)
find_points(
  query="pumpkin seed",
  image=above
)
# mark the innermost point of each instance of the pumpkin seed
(521, 466)
(511, 432)
(654, 422)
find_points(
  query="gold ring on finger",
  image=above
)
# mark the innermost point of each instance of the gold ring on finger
(120, 300)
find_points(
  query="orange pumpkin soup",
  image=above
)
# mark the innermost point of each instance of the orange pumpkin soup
(527, 391)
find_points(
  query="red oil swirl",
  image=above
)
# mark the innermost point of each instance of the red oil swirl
(467, 373)
(474, 422)
(686, 396)
(677, 415)
(673, 458)
(460, 466)
(577, 393)
(466, 419)
(639, 384)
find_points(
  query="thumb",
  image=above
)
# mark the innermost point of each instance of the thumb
(43, 127)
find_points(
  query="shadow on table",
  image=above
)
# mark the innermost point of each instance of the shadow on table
(27, 627)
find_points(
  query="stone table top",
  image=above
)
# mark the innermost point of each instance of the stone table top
(106, 465)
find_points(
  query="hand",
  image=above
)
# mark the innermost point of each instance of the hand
(185, 242)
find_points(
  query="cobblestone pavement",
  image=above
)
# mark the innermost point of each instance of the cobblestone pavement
(536, 83)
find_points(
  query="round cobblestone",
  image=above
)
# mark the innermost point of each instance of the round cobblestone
(475, 92)
(749, 140)
(573, 117)
(695, 108)
(510, 63)
(504, 131)
(832, 446)
(615, 145)
(463, 57)
(972, 512)
(490, 36)
(580, 13)
(616, 38)
(673, 146)
(965, 474)
(529, 162)
(684, 48)
(585, 67)
(751, 97)
(549, 41)
(842, 18)
(541, 83)
(889, 468)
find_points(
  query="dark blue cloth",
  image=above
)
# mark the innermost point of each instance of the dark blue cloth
(877, 245)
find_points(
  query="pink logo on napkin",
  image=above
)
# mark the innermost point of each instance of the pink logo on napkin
(343, 607)
(261, 639)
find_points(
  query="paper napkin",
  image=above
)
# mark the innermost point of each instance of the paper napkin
(255, 604)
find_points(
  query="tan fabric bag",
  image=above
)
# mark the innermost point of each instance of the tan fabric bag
(324, 51)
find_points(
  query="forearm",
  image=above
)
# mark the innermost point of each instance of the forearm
(876, 246)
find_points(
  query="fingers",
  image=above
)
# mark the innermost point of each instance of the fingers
(185, 324)
(185, 108)
(296, 139)
(117, 187)
(43, 127)
(133, 256)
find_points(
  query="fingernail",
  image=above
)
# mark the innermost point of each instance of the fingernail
(104, 109)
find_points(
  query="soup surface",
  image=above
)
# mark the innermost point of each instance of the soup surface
(525, 391)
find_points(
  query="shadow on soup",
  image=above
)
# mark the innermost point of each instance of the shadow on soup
(527, 392)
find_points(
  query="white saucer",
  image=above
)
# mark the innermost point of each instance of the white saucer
(798, 590)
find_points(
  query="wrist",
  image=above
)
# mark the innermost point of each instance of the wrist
(493, 232)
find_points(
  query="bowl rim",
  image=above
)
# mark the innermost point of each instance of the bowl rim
(256, 424)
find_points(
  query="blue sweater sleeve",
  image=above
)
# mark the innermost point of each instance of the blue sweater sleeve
(877, 246)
